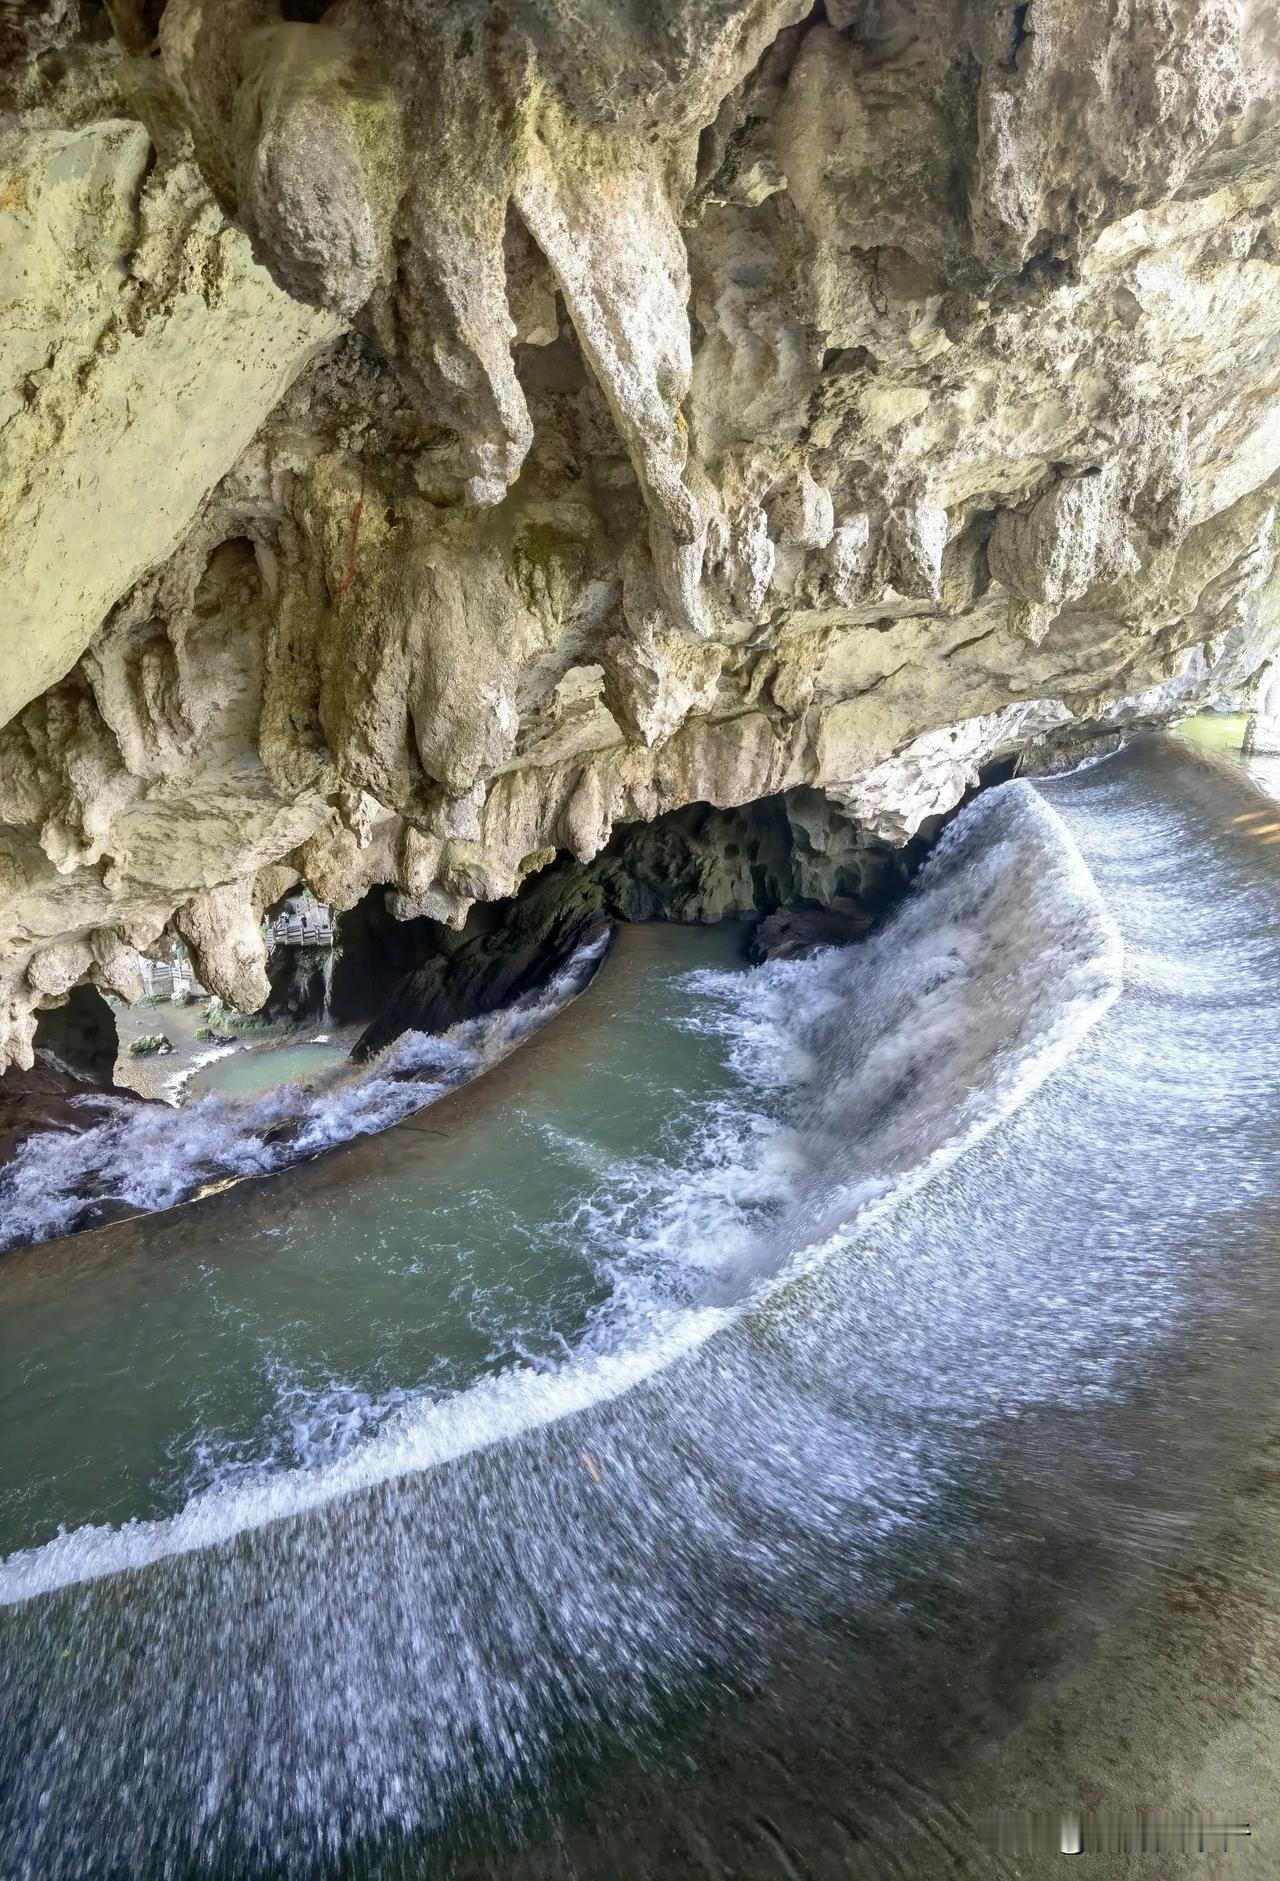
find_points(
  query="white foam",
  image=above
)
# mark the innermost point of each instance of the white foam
(421, 1436)
(174, 1086)
(952, 1015)
(867, 1070)
(149, 1158)
(874, 1067)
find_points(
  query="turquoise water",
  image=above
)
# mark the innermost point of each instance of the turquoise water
(803, 1411)
(279, 1323)
(248, 1072)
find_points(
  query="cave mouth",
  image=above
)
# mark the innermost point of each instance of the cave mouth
(790, 866)
(76, 1045)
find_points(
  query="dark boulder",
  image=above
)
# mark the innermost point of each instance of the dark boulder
(793, 933)
(506, 951)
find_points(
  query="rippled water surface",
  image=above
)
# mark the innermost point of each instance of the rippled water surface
(245, 1072)
(280, 1323)
(782, 1416)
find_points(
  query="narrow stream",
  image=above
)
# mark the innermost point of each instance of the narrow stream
(780, 1417)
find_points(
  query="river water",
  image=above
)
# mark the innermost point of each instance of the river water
(765, 1424)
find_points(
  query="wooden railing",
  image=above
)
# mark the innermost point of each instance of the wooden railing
(313, 927)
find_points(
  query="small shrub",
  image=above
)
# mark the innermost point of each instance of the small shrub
(151, 1044)
(223, 1022)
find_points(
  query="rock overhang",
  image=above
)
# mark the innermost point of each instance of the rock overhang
(438, 437)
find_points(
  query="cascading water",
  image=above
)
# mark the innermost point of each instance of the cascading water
(732, 1386)
(147, 1159)
(326, 1007)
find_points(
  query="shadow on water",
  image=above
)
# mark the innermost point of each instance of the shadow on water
(981, 1508)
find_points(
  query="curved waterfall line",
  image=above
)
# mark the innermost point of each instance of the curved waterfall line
(149, 1158)
(887, 1085)
(848, 1337)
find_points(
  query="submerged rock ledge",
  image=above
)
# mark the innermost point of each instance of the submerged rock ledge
(432, 437)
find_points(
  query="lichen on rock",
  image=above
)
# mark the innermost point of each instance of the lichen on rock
(433, 439)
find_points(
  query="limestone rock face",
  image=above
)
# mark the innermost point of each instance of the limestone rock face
(433, 437)
(140, 349)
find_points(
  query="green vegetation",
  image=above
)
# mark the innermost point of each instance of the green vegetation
(224, 1023)
(151, 1044)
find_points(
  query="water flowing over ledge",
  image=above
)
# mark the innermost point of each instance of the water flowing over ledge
(861, 1073)
(768, 1456)
(151, 1158)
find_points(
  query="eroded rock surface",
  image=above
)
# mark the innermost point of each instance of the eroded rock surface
(432, 437)
(74, 1058)
(696, 864)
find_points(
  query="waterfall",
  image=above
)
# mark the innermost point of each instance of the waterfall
(325, 1010)
(150, 1161)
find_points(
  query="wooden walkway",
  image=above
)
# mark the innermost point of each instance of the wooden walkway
(310, 927)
